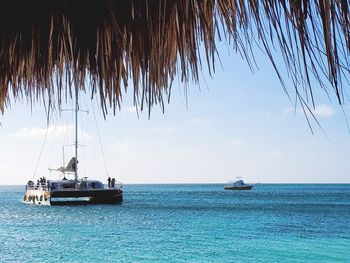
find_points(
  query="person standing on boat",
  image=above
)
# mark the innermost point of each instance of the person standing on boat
(113, 182)
(109, 182)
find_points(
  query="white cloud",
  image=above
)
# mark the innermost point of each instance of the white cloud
(163, 130)
(131, 148)
(124, 146)
(235, 142)
(201, 122)
(287, 111)
(274, 153)
(268, 113)
(54, 130)
(130, 109)
(29, 133)
(129, 145)
(323, 110)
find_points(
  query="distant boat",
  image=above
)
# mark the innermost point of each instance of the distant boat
(50, 192)
(238, 185)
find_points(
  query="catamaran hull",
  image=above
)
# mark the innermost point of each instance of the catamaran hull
(100, 196)
(248, 187)
(103, 196)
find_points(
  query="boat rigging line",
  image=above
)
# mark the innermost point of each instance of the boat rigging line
(99, 138)
(41, 151)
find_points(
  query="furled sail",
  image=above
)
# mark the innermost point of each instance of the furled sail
(69, 168)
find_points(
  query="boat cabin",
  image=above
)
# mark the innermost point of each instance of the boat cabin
(57, 185)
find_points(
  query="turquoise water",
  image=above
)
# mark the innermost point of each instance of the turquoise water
(183, 223)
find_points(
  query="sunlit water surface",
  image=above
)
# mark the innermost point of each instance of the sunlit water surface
(183, 223)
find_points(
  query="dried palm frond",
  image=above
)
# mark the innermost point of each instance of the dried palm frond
(46, 45)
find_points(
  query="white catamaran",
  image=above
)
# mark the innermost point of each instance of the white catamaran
(51, 192)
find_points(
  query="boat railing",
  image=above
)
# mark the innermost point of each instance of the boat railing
(36, 187)
(118, 185)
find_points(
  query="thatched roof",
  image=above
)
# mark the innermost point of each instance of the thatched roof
(45, 45)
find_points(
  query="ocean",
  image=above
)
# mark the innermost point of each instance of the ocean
(183, 223)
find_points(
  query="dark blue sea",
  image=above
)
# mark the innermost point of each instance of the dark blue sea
(183, 223)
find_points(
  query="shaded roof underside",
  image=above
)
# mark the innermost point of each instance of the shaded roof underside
(46, 45)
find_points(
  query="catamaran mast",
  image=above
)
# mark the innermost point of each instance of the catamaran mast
(76, 133)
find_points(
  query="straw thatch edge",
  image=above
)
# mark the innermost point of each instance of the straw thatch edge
(48, 46)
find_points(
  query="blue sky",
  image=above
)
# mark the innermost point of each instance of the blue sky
(237, 123)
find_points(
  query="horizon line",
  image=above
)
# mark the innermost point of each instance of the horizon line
(217, 183)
